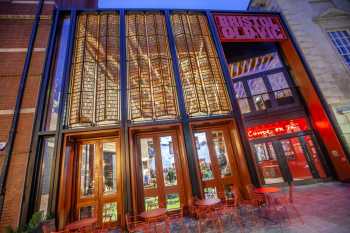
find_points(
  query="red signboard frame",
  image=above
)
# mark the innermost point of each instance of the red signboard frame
(249, 27)
(277, 128)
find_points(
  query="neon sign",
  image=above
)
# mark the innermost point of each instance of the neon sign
(277, 128)
(245, 28)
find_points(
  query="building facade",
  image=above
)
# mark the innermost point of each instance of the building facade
(322, 30)
(135, 109)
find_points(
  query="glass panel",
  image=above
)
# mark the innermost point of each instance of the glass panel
(56, 83)
(110, 212)
(87, 170)
(203, 156)
(151, 84)
(168, 160)
(46, 170)
(151, 203)
(228, 191)
(283, 94)
(315, 156)
(295, 156)
(94, 89)
(341, 40)
(259, 94)
(202, 79)
(86, 212)
(173, 201)
(255, 65)
(148, 159)
(267, 163)
(109, 168)
(210, 193)
(221, 152)
(241, 97)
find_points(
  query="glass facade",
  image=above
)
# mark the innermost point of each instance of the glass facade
(140, 66)
(151, 85)
(94, 90)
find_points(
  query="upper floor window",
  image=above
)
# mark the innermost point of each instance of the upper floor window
(202, 79)
(341, 40)
(151, 84)
(94, 88)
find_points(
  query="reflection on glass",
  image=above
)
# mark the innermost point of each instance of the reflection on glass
(228, 189)
(86, 212)
(259, 94)
(148, 159)
(46, 169)
(173, 201)
(315, 157)
(241, 97)
(87, 170)
(151, 203)
(295, 156)
(221, 152)
(203, 156)
(56, 83)
(255, 65)
(210, 193)
(267, 163)
(110, 212)
(109, 168)
(168, 160)
(280, 88)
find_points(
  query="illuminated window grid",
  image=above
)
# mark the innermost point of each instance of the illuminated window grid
(151, 86)
(202, 79)
(341, 40)
(94, 90)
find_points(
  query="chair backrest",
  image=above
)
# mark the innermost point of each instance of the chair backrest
(236, 195)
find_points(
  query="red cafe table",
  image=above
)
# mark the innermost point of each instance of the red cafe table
(207, 202)
(156, 216)
(267, 191)
(81, 224)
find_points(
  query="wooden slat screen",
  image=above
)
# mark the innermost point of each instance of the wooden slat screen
(94, 96)
(151, 86)
(202, 79)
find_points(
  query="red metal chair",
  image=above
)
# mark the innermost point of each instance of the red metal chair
(135, 223)
(206, 216)
(177, 217)
(287, 202)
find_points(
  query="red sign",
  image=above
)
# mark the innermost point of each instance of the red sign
(277, 128)
(249, 28)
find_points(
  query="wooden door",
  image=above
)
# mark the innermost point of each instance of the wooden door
(98, 186)
(215, 159)
(162, 182)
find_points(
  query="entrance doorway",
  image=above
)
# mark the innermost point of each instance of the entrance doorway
(215, 159)
(98, 181)
(162, 181)
(287, 159)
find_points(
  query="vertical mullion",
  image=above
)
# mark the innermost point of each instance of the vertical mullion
(235, 107)
(195, 179)
(124, 134)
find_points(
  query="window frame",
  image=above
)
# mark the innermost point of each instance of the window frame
(334, 46)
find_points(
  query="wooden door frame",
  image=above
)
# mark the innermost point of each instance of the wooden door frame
(136, 185)
(219, 125)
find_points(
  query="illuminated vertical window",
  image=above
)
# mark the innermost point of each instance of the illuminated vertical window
(151, 86)
(94, 90)
(202, 79)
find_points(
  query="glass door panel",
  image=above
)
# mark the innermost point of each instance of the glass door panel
(161, 173)
(268, 165)
(215, 159)
(98, 182)
(203, 156)
(295, 156)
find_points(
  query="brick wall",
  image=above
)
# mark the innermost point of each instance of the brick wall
(16, 21)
